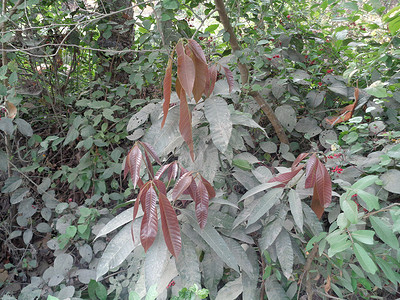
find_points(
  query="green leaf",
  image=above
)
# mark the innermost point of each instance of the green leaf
(215, 241)
(19, 195)
(242, 164)
(338, 242)
(384, 232)
(270, 233)
(152, 292)
(259, 188)
(274, 290)
(364, 236)
(372, 201)
(364, 182)
(387, 269)
(134, 296)
(170, 4)
(71, 231)
(11, 184)
(363, 258)
(284, 252)
(350, 210)
(265, 204)
(218, 115)
(211, 28)
(296, 208)
(377, 89)
(394, 152)
(391, 181)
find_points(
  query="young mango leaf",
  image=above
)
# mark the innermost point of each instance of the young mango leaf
(182, 185)
(202, 199)
(218, 115)
(284, 178)
(311, 170)
(133, 163)
(170, 226)
(323, 185)
(149, 227)
(209, 187)
(185, 122)
(298, 160)
(229, 78)
(211, 79)
(149, 149)
(167, 90)
(316, 204)
(197, 50)
(201, 68)
(186, 69)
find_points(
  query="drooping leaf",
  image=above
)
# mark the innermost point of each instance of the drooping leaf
(231, 290)
(149, 227)
(134, 160)
(215, 241)
(296, 208)
(160, 186)
(201, 69)
(211, 79)
(265, 204)
(323, 185)
(259, 188)
(240, 255)
(363, 258)
(284, 252)
(170, 226)
(250, 290)
(197, 50)
(185, 122)
(186, 69)
(229, 78)
(202, 199)
(316, 204)
(181, 185)
(218, 115)
(188, 263)
(24, 127)
(274, 290)
(209, 187)
(384, 232)
(167, 90)
(149, 149)
(311, 171)
(213, 269)
(284, 178)
(270, 233)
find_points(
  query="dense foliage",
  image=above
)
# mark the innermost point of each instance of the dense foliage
(189, 149)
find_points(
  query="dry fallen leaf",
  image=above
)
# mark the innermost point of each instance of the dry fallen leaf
(11, 110)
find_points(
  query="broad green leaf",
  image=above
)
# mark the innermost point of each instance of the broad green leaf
(370, 200)
(240, 256)
(11, 184)
(259, 188)
(140, 117)
(215, 241)
(286, 116)
(274, 290)
(394, 152)
(387, 269)
(384, 232)
(363, 258)
(265, 204)
(364, 236)
(391, 181)
(118, 248)
(188, 264)
(213, 270)
(24, 127)
(231, 290)
(270, 233)
(338, 242)
(19, 195)
(218, 115)
(6, 125)
(284, 252)
(3, 161)
(350, 210)
(377, 89)
(239, 118)
(296, 208)
(364, 182)
(242, 164)
(250, 290)
(152, 292)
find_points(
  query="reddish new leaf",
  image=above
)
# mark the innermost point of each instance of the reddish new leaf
(192, 190)
(181, 185)
(178, 88)
(211, 79)
(186, 69)
(149, 226)
(139, 200)
(170, 226)
(229, 78)
(202, 204)
(149, 165)
(185, 123)
(134, 160)
(197, 50)
(345, 114)
(167, 90)
(200, 78)
(209, 187)
(161, 171)
(311, 169)
(160, 186)
(323, 185)
(299, 159)
(149, 149)
(173, 171)
(285, 177)
(316, 205)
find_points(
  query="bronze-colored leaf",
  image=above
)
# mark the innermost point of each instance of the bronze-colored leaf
(135, 160)
(316, 205)
(167, 90)
(139, 200)
(149, 149)
(185, 123)
(170, 226)
(229, 78)
(202, 204)
(299, 159)
(285, 177)
(173, 171)
(323, 185)
(192, 190)
(149, 226)
(149, 165)
(186, 69)
(181, 185)
(160, 186)
(197, 50)
(161, 171)
(311, 169)
(211, 79)
(209, 187)
(200, 78)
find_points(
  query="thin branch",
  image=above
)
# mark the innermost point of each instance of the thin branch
(11, 12)
(307, 268)
(203, 20)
